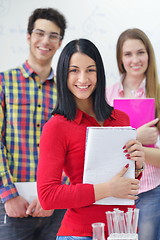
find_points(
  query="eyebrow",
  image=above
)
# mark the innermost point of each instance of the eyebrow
(73, 66)
(141, 49)
(44, 31)
(91, 66)
(78, 67)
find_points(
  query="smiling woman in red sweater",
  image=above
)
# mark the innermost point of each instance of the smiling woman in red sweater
(81, 103)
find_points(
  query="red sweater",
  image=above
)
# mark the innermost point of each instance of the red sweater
(62, 146)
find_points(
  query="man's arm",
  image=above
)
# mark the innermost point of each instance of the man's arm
(7, 187)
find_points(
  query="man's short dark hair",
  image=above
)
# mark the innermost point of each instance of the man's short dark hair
(49, 14)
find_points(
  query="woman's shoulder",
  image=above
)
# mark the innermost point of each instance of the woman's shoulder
(57, 120)
(57, 125)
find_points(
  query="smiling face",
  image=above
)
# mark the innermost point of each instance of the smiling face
(43, 49)
(134, 58)
(82, 77)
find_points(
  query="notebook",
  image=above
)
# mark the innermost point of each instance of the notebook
(28, 190)
(140, 111)
(104, 158)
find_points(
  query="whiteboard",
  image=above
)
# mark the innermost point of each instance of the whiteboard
(101, 21)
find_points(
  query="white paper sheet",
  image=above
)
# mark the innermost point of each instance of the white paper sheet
(28, 190)
(104, 157)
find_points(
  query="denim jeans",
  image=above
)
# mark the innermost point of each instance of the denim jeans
(149, 214)
(30, 228)
(72, 238)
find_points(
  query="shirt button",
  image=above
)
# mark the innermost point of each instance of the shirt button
(37, 144)
(39, 105)
(38, 125)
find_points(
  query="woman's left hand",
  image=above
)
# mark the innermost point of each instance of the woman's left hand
(135, 152)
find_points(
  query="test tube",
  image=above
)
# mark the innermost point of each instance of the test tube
(135, 219)
(109, 222)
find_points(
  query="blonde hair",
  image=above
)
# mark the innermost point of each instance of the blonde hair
(152, 82)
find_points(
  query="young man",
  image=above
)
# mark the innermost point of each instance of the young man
(27, 97)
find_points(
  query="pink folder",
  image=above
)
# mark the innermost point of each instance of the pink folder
(140, 111)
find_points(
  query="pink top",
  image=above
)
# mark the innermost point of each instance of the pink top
(116, 91)
(151, 175)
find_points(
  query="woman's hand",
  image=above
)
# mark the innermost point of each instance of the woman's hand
(135, 152)
(122, 187)
(119, 186)
(148, 134)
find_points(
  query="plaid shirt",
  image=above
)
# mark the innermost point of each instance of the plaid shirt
(25, 106)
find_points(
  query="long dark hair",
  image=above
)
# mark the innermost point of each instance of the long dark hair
(66, 104)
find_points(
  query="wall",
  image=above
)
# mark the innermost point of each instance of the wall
(98, 20)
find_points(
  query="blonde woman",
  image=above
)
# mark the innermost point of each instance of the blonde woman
(137, 67)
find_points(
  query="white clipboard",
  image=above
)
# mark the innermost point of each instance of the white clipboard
(104, 158)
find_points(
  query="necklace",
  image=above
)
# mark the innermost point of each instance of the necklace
(131, 91)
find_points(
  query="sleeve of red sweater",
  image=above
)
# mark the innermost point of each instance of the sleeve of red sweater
(52, 194)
